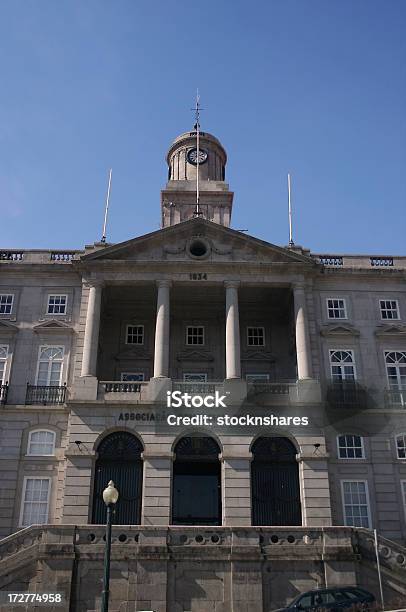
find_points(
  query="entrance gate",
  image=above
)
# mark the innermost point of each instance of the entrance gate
(275, 483)
(119, 460)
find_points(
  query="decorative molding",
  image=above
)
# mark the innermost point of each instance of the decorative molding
(194, 355)
(175, 250)
(397, 330)
(220, 251)
(342, 329)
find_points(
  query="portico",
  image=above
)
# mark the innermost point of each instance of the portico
(201, 331)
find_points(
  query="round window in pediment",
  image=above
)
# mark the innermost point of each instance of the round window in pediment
(198, 248)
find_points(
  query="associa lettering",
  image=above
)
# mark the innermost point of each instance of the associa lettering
(139, 416)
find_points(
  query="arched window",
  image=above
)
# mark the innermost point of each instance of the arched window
(342, 365)
(275, 483)
(350, 446)
(41, 442)
(401, 446)
(196, 497)
(119, 459)
(396, 368)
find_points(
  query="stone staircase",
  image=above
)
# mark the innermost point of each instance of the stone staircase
(195, 569)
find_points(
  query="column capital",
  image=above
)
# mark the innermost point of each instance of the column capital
(163, 283)
(232, 284)
(299, 286)
(89, 283)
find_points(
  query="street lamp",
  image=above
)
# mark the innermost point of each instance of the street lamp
(110, 497)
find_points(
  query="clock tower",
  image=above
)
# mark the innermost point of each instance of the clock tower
(185, 158)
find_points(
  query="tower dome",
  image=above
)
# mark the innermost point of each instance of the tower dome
(181, 158)
(178, 199)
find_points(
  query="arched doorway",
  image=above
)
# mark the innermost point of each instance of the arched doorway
(196, 493)
(119, 459)
(275, 489)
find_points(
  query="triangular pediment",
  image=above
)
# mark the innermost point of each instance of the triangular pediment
(175, 244)
(132, 354)
(7, 328)
(339, 330)
(194, 356)
(388, 329)
(52, 325)
(258, 356)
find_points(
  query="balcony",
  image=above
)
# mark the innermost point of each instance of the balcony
(45, 395)
(395, 398)
(347, 395)
(3, 393)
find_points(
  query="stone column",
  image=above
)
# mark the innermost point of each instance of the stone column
(161, 356)
(233, 361)
(91, 339)
(303, 354)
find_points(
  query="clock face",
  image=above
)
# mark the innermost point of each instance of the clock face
(192, 156)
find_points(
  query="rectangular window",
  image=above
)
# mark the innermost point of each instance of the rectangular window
(41, 443)
(35, 501)
(403, 486)
(250, 378)
(132, 376)
(255, 336)
(50, 363)
(6, 303)
(3, 362)
(342, 365)
(194, 377)
(57, 304)
(336, 308)
(389, 310)
(401, 446)
(350, 447)
(135, 334)
(195, 335)
(356, 503)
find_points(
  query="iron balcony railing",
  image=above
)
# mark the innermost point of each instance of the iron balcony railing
(39, 394)
(270, 388)
(201, 388)
(395, 398)
(121, 387)
(347, 394)
(3, 393)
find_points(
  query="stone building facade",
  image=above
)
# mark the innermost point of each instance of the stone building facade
(272, 492)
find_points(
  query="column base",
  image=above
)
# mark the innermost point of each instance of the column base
(235, 390)
(85, 388)
(158, 388)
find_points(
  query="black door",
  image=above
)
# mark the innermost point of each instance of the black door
(275, 483)
(196, 496)
(120, 461)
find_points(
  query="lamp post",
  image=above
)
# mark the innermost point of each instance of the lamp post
(110, 497)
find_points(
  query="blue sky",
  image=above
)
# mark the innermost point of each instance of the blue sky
(314, 87)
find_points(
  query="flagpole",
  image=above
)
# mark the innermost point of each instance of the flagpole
(291, 243)
(103, 239)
